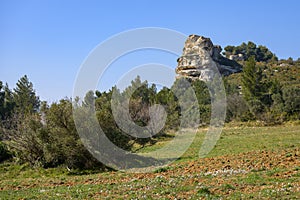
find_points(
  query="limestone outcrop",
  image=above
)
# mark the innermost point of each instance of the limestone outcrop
(201, 60)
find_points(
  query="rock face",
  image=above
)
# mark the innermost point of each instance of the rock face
(201, 58)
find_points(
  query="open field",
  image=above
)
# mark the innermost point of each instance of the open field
(247, 162)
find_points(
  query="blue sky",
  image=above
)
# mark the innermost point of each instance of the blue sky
(49, 40)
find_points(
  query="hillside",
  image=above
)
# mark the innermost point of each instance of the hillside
(286, 74)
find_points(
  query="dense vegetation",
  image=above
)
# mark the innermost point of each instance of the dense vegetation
(260, 52)
(45, 135)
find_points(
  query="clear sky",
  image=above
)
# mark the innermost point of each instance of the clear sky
(48, 40)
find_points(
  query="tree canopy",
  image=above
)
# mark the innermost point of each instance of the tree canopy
(24, 96)
(261, 53)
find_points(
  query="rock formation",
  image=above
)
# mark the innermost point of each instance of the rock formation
(201, 58)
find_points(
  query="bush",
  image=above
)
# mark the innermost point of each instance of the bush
(237, 109)
(62, 144)
(51, 143)
(24, 138)
(291, 98)
(4, 153)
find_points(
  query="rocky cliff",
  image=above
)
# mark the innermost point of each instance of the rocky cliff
(200, 57)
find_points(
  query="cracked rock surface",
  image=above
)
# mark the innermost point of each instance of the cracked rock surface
(201, 59)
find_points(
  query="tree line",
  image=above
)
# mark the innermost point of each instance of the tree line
(45, 134)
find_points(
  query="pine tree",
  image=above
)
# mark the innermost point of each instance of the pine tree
(6, 102)
(2, 96)
(252, 80)
(253, 87)
(24, 97)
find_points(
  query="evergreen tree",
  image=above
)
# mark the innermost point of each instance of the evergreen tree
(2, 96)
(253, 86)
(24, 97)
(252, 80)
(6, 102)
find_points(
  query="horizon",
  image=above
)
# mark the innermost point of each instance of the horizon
(48, 41)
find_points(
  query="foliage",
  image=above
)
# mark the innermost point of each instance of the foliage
(6, 102)
(237, 109)
(169, 101)
(291, 98)
(253, 86)
(107, 122)
(51, 143)
(66, 146)
(4, 153)
(260, 53)
(24, 96)
(255, 89)
(25, 138)
(204, 100)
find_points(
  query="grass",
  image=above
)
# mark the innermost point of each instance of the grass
(238, 140)
(247, 162)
